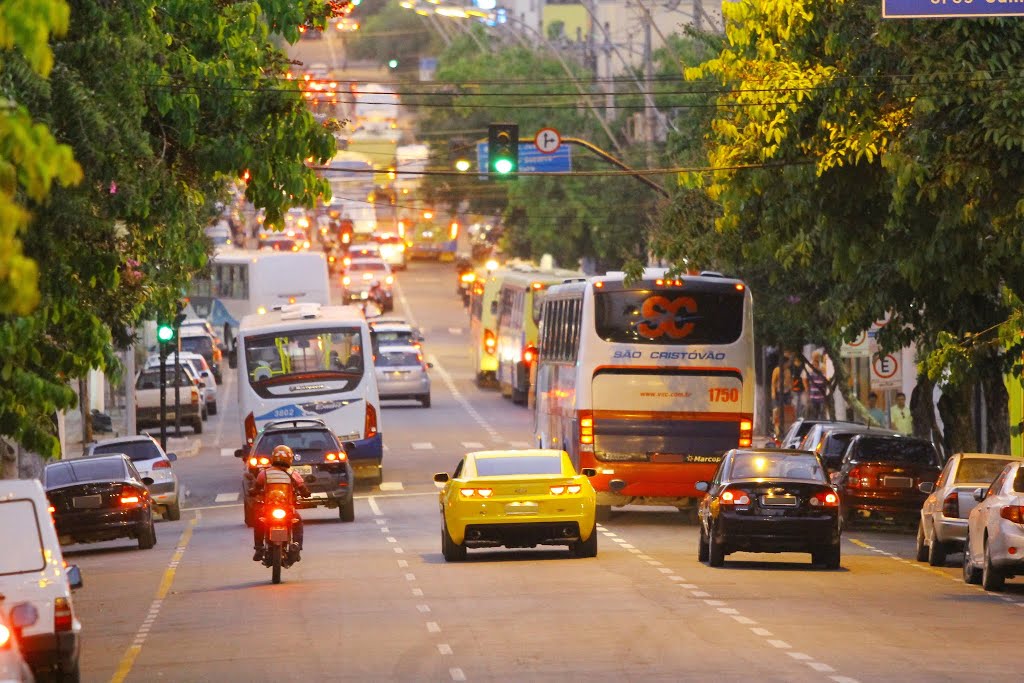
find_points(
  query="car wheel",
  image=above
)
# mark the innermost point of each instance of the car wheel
(452, 551)
(937, 551)
(425, 400)
(147, 538)
(602, 513)
(702, 546)
(347, 511)
(173, 511)
(197, 426)
(972, 575)
(829, 557)
(716, 553)
(991, 578)
(587, 548)
(213, 408)
(921, 552)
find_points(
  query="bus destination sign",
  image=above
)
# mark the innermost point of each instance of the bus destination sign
(951, 9)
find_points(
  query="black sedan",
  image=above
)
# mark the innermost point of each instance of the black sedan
(769, 501)
(100, 499)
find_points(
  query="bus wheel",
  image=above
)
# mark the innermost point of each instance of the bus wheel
(603, 513)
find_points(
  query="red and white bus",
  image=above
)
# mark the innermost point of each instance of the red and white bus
(649, 382)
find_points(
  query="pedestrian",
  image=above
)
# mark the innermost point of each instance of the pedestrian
(899, 415)
(798, 385)
(780, 383)
(875, 413)
(817, 388)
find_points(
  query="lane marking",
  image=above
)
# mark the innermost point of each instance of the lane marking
(472, 445)
(226, 497)
(461, 400)
(373, 506)
(457, 674)
(392, 486)
(124, 667)
(519, 444)
(444, 648)
(422, 446)
(432, 627)
(227, 452)
(455, 330)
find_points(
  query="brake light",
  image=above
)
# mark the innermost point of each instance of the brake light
(252, 462)
(483, 493)
(5, 635)
(559, 489)
(195, 396)
(371, 421)
(1014, 513)
(490, 341)
(857, 480)
(586, 431)
(390, 279)
(162, 464)
(746, 433)
(278, 513)
(951, 505)
(529, 354)
(62, 615)
(734, 497)
(336, 457)
(826, 499)
(346, 280)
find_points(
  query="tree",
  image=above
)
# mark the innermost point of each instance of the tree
(867, 168)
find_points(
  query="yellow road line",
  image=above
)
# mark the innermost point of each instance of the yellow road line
(124, 667)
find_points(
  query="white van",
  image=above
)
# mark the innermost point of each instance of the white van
(32, 571)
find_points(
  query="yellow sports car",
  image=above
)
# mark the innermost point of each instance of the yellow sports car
(517, 499)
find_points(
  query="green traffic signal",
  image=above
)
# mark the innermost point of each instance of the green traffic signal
(393, 63)
(164, 333)
(503, 150)
(503, 166)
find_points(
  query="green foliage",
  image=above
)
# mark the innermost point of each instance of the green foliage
(391, 33)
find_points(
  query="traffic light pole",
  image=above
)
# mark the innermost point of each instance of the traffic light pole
(177, 393)
(163, 396)
(615, 162)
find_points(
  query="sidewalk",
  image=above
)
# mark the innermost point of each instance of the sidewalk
(184, 446)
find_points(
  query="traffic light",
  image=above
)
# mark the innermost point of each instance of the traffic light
(165, 332)
(503, 150)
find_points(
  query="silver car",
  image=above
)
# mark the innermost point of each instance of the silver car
(152, 463)
(944, 514)
(402, 374)
(994, 548)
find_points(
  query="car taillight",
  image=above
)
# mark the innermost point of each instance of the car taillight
(586, 435)
(336, 457)
(951, 505)
(264, 462)
(1014, 513)
(62, 615)
(5, 636)
(746, 433)
(559, 489)
(131, 495)
(483, 493)
(278, 513)
(346, 280)
(734, 497)
(490, 342)
(371, 421)
(390, 279)
(827, 499)
(529, 354)
(195, 396)
(857, 479)
(162, 464)
(253, 462)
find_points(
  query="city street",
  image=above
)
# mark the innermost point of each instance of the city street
(374, 600)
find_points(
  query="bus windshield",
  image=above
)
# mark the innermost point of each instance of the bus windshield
(668, 316)
(299, 356)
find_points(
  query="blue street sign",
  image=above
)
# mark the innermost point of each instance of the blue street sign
(936, 9)
(531, 160)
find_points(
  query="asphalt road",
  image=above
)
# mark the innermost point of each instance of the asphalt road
(374, 601)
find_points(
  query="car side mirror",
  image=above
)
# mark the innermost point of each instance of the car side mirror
(441, 477)
(25, 614)
(202, 384)
(233, 358)
(771, 443)
(979, 494)
(148, 481)
(430, 365)
(702, 486)
(350, 447)
(926, 487)
(74, 577)
(588, 472)
(172, 457)
(239, 452)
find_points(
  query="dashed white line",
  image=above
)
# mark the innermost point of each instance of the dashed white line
(403, 563)
(422, 446)
(392, 486)
(821, 667)
(375, 508)
(780, 644)
(432, 627)
(444, 648)
(472, 445)
(800, 656)
(391, 539)
(519, 444)
(410, 577)
(226, 497)
(418, 592)
(740, 619)
(227, 452)
(457, 674)
(423, 608)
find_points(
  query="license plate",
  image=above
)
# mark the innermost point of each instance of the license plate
(779, 501)
(87, 502)
(302, 469)
(522, 508)
(279, 534)
(319, 494)
(897, 482)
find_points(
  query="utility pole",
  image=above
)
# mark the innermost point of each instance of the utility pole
(698, 14)
(609, 82)
(650, 113)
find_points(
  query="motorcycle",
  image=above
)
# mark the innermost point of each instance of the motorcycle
(279, 548)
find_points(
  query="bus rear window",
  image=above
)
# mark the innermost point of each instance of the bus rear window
(668, 317)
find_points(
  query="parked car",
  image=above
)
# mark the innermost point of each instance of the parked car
(769, 501)
(33, 573)
(943, 524)
(320, 459)
(517, 499)
(402, 374)
(794, 436)
(994, 547)
(152, 463)
(192, 364)
(829, 440)
(100, 499)
(880, 475)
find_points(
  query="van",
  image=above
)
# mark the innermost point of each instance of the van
(32, 571)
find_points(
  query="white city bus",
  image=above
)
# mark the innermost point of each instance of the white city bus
(311, 361)
(648, 382)
(240, 282)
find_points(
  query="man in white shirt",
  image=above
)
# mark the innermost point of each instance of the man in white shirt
(899, 415)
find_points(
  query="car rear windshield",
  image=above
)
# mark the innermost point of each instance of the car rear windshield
(135, 450)
(62, 474)
(769, 466)
(978, 470)
(393, 359)
(520, 464)
(302, 441)
(202, 345)
(150, 379)
(668, 316)
(395, 337)
(903, 451)
(23, 550)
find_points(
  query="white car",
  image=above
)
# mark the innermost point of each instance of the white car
(151, 461)
(33, 573)
(944, 514)
(994, 548)
(402, 373)
(197, 367)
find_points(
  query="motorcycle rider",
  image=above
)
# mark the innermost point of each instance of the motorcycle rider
(278, 475)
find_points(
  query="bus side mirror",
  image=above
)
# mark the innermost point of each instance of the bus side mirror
(233, 358)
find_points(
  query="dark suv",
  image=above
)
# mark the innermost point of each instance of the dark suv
(319, 458)
(879, 476)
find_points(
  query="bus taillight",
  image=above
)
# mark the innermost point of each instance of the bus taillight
(371, 421)
(746, 433)
(490, 342)
(529, 354)
(586, 431)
